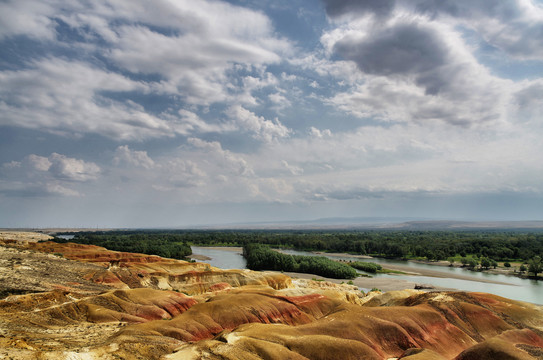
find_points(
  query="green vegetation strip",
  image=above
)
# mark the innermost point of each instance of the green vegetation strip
(372, 268)
(164, 245)
(366, 266)
(261, 257)
(476, 248)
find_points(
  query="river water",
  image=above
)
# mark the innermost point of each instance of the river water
(518, 289)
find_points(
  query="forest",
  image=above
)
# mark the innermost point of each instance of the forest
(166, 245)
(499, 245)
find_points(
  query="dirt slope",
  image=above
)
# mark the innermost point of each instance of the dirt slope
(69, 301)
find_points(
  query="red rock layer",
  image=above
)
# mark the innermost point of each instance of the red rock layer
(243, 315)
(230, 310)
(424, 326)
(129, 270)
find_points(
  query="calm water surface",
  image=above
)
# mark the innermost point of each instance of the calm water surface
(224, 259)
(519, 289)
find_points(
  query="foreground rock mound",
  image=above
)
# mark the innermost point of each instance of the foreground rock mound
(429, 326)
(69, 301)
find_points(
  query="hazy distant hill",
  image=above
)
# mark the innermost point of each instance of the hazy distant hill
(384, 223)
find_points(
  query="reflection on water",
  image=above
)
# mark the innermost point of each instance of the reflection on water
(224, 259)
(520, 289)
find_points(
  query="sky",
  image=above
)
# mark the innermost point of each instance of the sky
(176, 113)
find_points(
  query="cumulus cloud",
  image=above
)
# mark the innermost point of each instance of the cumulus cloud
(62, 167)
(407, 48)
(123, 155)
(203, 42)
(399, 97)
(339, 8)
(40, 163)
(513, 26)
(279, 101)
(56, 174)
(416, 69)
(188, 51)
(314, 132)
(67, 97)
(232, 163)
(261, 128)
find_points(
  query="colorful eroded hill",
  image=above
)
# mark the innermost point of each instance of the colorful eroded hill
(69, 301)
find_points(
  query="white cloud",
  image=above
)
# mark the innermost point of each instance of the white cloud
(261, 128)
(224, 159)
(123, 155)
(55, 188)
(183, 173)
(395, 101)
(63, 167)
(250, 84)
(528, 102)
(53, 175)
(193, 51)
(54, 167)
(66, 97)
(514, 26)
(279, 101)
(31, 18)
(314, 132)
(416, 70)
(209, 39)
(294, 170)
(39, 162)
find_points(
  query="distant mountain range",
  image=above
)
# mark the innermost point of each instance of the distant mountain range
(339, 223)
(395, 223)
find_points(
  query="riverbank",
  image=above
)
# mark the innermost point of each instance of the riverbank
(500, 270)
(366, 283)
(382, 282)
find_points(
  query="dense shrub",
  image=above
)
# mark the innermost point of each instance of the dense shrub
(366, 266)
(261, 257)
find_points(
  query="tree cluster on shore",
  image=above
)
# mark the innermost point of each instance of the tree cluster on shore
(261, 257)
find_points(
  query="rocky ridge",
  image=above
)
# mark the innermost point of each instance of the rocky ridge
(70, 301)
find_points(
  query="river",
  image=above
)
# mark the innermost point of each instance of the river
(513, 287)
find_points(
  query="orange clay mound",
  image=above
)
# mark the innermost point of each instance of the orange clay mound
(124, 270)
(425, 326)
(92, 303)
(230, 310)
(59, 308)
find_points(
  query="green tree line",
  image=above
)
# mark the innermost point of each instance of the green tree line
(164, 245)
(500, 245)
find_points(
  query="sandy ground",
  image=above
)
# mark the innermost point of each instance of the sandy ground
(439, 274)
(237, 249)
(199, 257)
(343, 254)
(23, 236)
(384, 284)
